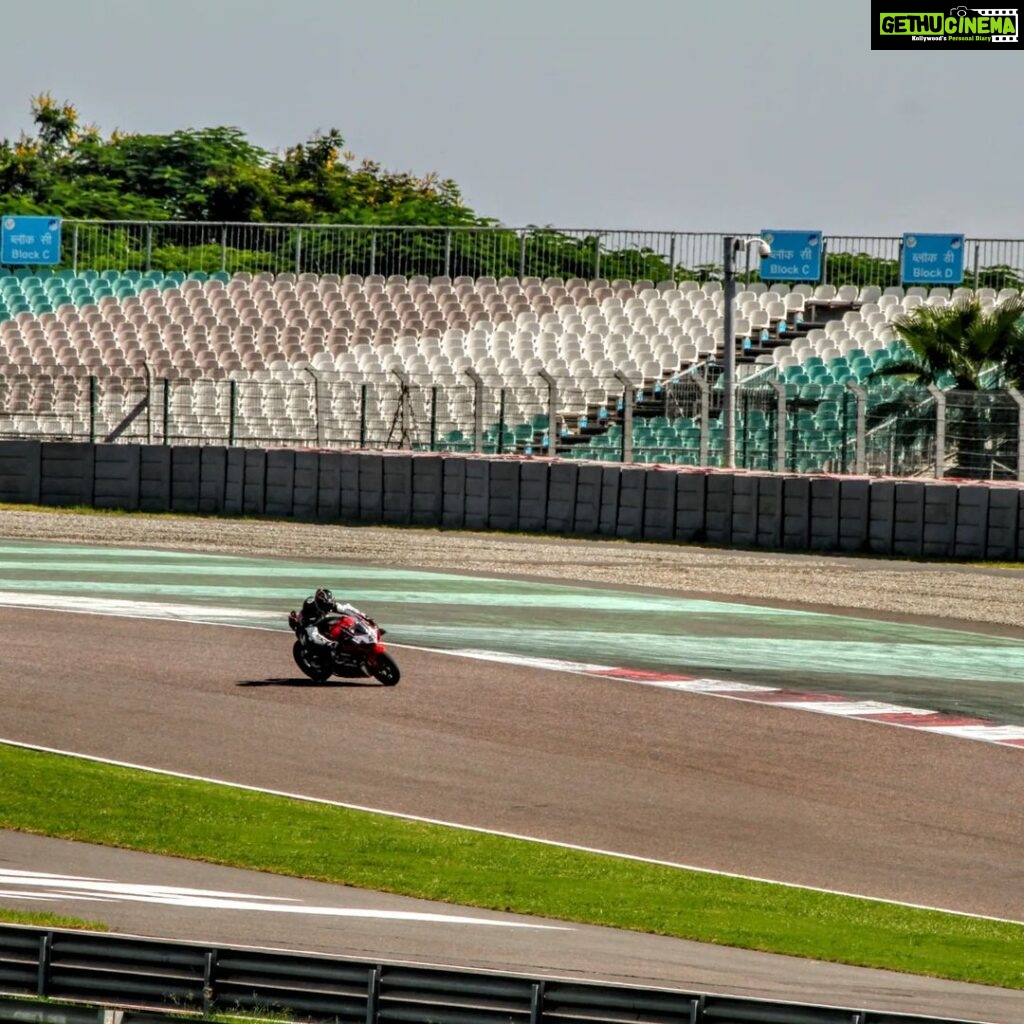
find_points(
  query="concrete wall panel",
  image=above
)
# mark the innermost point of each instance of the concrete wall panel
(533, 496)
(20, 471)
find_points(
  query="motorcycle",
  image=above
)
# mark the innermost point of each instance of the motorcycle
(355, 650)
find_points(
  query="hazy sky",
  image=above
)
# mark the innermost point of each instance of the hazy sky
(684, 115)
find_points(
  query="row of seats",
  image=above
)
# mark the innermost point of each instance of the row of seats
(357, 338)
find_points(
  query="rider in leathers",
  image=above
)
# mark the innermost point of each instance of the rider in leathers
(314, 609)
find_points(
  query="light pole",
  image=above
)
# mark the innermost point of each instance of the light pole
(732, 245)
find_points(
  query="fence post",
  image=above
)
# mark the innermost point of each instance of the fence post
(43, 968)
(597, 255)
(627, 415)
(317, 417)
(522, 255)
(149, 247)
(705, 421)
(373, 252)
(149, 401)
(501, 421)
(780, 426)
(448, 253)
(940, 430)
(362, 415)
(860, 458)
(433, 418)
(478, 409)
(824, 260)
(977, 247)
(74, 249)
(298, 251)
(552, 410)
(401, 410)
(232, 410)
(672, 257)
(223, 248)
(1016, 396)
(166, 409)
(94, 396)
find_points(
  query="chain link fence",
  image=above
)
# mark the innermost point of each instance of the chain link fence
(888, 431)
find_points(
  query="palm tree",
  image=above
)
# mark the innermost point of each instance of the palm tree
(964, 347)
(965, 342)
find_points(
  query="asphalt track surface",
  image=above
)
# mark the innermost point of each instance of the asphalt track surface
(761, 791)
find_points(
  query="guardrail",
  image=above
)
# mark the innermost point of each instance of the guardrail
(203, 980)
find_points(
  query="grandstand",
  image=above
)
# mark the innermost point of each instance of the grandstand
(446, 363)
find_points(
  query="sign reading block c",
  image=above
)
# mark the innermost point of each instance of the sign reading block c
(932, 259)
(31, 240)
(796, 256)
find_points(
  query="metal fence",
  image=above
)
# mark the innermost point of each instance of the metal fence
(779, 428)
(483, 251)
(192, 980)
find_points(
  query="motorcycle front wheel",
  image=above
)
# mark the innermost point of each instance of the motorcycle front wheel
(385, 670)
(315, 670)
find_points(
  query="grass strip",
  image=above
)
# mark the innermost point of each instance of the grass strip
(62, 796)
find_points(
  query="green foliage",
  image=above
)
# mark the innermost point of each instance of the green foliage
(209, 174)
(964, 342)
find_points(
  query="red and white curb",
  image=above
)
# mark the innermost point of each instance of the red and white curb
(923, 720)
(940, 722)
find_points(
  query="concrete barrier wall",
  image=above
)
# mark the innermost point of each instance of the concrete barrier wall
(20, 471)
(906, 518)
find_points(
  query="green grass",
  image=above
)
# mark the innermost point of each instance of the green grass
(55, 795)
(40, 919)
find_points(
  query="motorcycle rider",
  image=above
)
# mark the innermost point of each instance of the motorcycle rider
(315, 608)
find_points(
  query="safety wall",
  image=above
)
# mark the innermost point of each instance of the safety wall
(904, 518)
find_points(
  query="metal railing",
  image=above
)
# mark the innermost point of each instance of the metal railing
(202, 980)
(493, 251)
(779, 428)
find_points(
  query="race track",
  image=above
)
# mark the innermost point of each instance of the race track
(680, 777)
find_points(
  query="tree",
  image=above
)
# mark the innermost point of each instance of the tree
(963, 342)
(962, 347)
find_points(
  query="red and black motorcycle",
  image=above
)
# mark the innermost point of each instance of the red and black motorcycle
(355, 650)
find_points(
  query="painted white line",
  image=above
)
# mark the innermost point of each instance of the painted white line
(993, 733)
(853, 708)
(492, 832)
(56, 887)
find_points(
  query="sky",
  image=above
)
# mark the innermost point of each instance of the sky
(675, 115)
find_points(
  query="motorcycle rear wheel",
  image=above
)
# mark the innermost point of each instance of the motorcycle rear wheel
(385, 670)
(317, 672)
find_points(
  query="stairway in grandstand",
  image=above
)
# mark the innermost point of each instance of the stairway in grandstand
(359, 336)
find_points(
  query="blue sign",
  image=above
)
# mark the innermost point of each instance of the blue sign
(34, 240)
(932, 259)
(796, 256)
